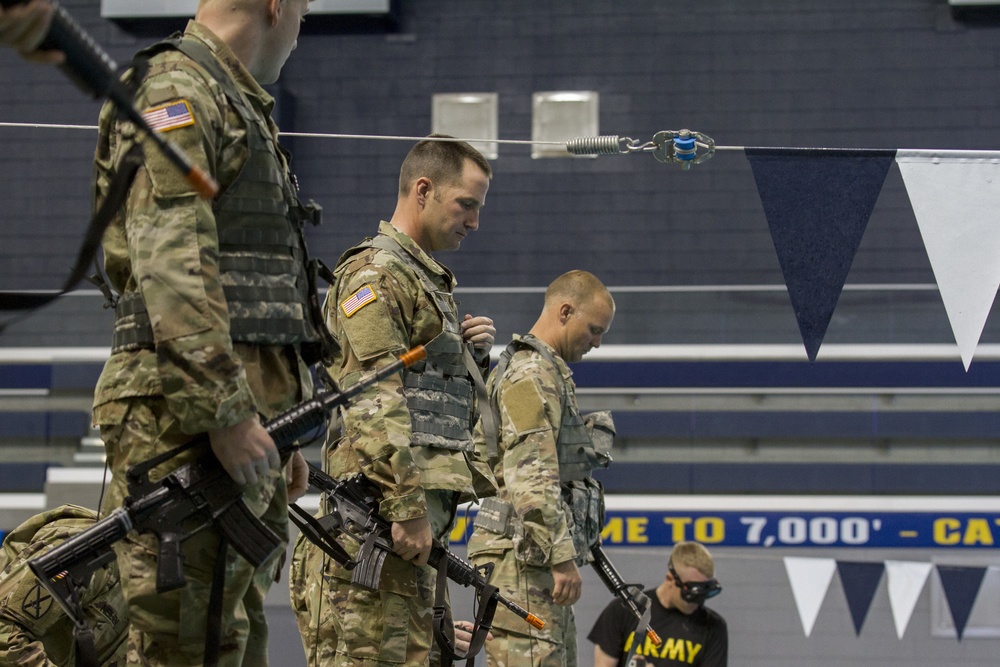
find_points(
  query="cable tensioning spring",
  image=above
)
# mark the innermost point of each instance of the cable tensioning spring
(606, 145)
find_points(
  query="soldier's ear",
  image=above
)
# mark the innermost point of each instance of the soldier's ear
(273, 8)
(565, 312)
(423, 187)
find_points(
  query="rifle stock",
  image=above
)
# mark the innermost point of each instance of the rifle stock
(196, 496)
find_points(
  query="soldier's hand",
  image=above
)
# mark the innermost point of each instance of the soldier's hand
(23, 27)
(412, 539)
(297, 477)
(479, 331)
(245, 450)
(463, 635)
(567, 583)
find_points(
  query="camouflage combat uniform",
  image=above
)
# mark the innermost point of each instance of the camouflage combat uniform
(532, 525)
(34, 630)
(397, 434)
(211, 326)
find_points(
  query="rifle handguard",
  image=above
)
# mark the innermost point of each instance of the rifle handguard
(613, 581)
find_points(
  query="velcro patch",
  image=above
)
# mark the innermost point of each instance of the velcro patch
(525, 407)
(358, 300)
(169, 116)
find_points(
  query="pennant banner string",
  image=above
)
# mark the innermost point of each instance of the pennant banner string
(534, 142)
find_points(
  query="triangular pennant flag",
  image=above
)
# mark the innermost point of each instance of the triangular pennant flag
(961, 586)
(860, 581)
(810, 578)
(817, 202)
(905, 582)
(956, 200)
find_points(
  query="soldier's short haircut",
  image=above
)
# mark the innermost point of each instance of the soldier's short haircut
(577, 287)
(693, 554)
(440, 161)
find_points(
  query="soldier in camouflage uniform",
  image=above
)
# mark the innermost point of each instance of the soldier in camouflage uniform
(549, 510)
(410, 434)
(213, 325)
(34, 629)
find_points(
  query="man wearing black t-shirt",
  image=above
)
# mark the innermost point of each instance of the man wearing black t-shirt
(692, 634)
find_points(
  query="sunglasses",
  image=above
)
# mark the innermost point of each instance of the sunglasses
(695, 591)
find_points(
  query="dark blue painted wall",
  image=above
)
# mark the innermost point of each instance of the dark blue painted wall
(898, 73)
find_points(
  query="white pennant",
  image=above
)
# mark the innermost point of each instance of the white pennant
(906, 581)
(955, 197)
(810, 579)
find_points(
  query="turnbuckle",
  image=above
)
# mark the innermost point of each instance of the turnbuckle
(681, 147)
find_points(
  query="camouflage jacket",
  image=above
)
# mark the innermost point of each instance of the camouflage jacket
(527, 470)
(34, 630)
(164, 242)
(392, 317)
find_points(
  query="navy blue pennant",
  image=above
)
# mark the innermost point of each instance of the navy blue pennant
(860, 581)
(961, 586)
(817, 202)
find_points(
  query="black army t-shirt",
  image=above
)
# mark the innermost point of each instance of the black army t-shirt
(698, 639)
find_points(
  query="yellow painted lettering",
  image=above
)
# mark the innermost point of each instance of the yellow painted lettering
(693, 650)
(458, 532)
(628, 643)
(978, 532)
(946, 531)
(648, 648)
(709, 530)
(678, 527)
(673, 649)
(614, 531)
(636, 529)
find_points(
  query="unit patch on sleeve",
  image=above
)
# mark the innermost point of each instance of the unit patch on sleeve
(169, 116)
(358, 300)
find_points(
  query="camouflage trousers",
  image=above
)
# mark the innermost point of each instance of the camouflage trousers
(344, 625)
(169, 629)
(308, 580)
(515, 643)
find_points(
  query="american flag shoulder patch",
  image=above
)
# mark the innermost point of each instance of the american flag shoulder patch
(358, 300)
(169, 116)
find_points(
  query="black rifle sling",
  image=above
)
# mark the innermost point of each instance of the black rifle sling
(86, 653)
(444, 630)
(33, 300)
(83, 634)
(319, 535)
(213, 620)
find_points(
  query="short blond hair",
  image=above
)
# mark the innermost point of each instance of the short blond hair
(577, 287)
(693, 554)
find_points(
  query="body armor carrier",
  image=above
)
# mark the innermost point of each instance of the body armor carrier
(267, 277)
(439, 390)
(582, 444)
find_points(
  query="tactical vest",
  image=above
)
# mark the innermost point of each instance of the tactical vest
(266, 275)
(439, 390)
(577, 454)
(582, 444)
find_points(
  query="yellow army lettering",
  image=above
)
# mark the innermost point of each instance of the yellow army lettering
(949, 531)
(677, 649)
